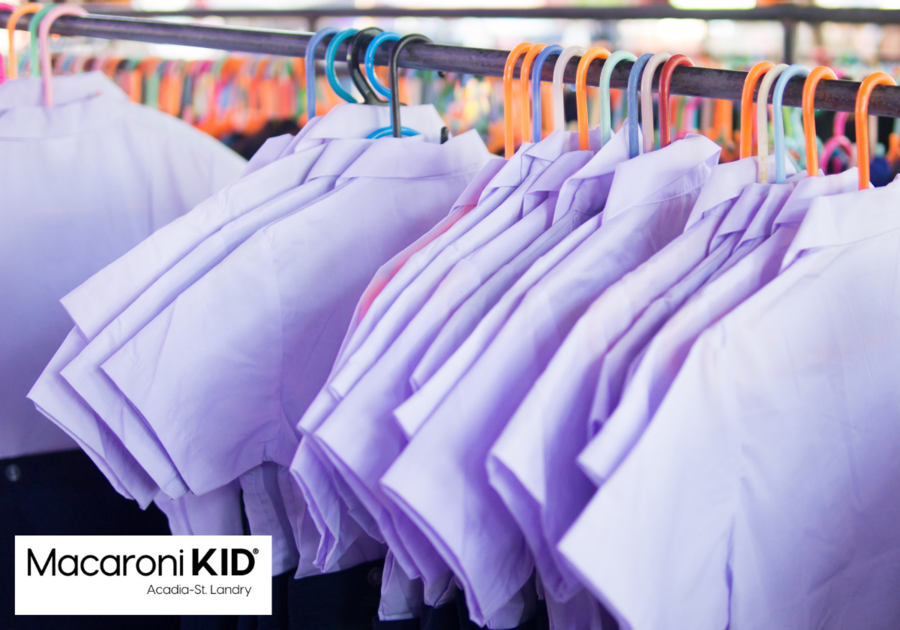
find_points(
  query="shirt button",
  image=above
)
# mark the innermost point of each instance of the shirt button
(374, 576)
(13, 473)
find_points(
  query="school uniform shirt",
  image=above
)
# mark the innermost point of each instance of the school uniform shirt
(279, 304)
(360, 436)
(549, 426)
(448, 452)
(765, 492)
(324, 487)
(106, 294)
(98, 391)
(746, 226)
(315, 477)
(660, 361)
(119, 171)
(472, 326)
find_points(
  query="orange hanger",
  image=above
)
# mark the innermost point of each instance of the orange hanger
(509, 129)
(665, 80)
(12, 71)
(598, 52)
(862, 122)
(524, 83)
(809, 116)
(748, 106)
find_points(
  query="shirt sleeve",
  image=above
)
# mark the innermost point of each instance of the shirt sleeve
(654, 543)
(206, 372)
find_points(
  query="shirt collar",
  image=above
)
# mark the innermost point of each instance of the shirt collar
(29, 92)
(602, 164)
(470, 196)
(761, 225)
(842, 219)
(741, 214)
(726, 182)
(413, 158)
(810, 188)
(351, 120)
(639, 178)
(336, 156)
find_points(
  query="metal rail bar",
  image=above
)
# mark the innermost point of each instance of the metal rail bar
(776, 13)
(705, 82)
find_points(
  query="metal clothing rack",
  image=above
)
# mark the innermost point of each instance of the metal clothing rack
(689, 81)
(788, 15)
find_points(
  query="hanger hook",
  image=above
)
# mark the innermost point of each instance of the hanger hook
(862, 122)
(34, 60)
(559, 72)
(665, 83)
(374, 45)
(44, 36)
(330, 54)
(655, 62)
(536, 119)
(310, 68)
(359, 79)
(762, 122)
(598, 52)
(809, 116)
(748, 106)
(634, 79)
(524, 81)
(605, 102)
(508, 72)
(793, 70)
(12, 71)
(395, 78)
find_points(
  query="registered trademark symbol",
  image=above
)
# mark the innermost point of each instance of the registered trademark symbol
(256, 551)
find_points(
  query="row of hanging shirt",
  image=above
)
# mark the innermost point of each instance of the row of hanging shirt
(660, 381)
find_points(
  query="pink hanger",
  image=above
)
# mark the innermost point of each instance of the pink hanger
(43, 39)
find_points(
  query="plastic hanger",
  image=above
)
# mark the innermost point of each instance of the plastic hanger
(809, 116)
(647, 98)
(861, 113)
(762, 122)
(393, 95)
(394, 68)
(559, 72)
(330, 54)
(795, 70)
(584, 141)
(634, 80)
(310, 69)
(44, 40)
(665, 80)
(12, 71)
(34, 60)
(524, 80)
(536, 116)
(508, 120)
(359, 80)
(605, 104)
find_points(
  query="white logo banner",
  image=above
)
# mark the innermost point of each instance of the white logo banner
(143, 575)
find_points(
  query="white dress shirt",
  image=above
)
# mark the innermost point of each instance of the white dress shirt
(765, 492)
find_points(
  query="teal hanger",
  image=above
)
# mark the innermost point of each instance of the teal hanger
(373, 80)
(330, 54)
(34, 59)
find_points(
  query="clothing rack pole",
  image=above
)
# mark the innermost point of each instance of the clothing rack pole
(688, 81)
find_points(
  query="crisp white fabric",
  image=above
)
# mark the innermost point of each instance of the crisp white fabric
(83, 181)
(474, 324)
(764, 494)
(439, 480)
(650, 377)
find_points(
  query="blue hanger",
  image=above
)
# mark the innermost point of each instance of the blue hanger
(376, 85)
(634, 81)
(311, 69)
(536, 70)
(778, 117)
(330, 54)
